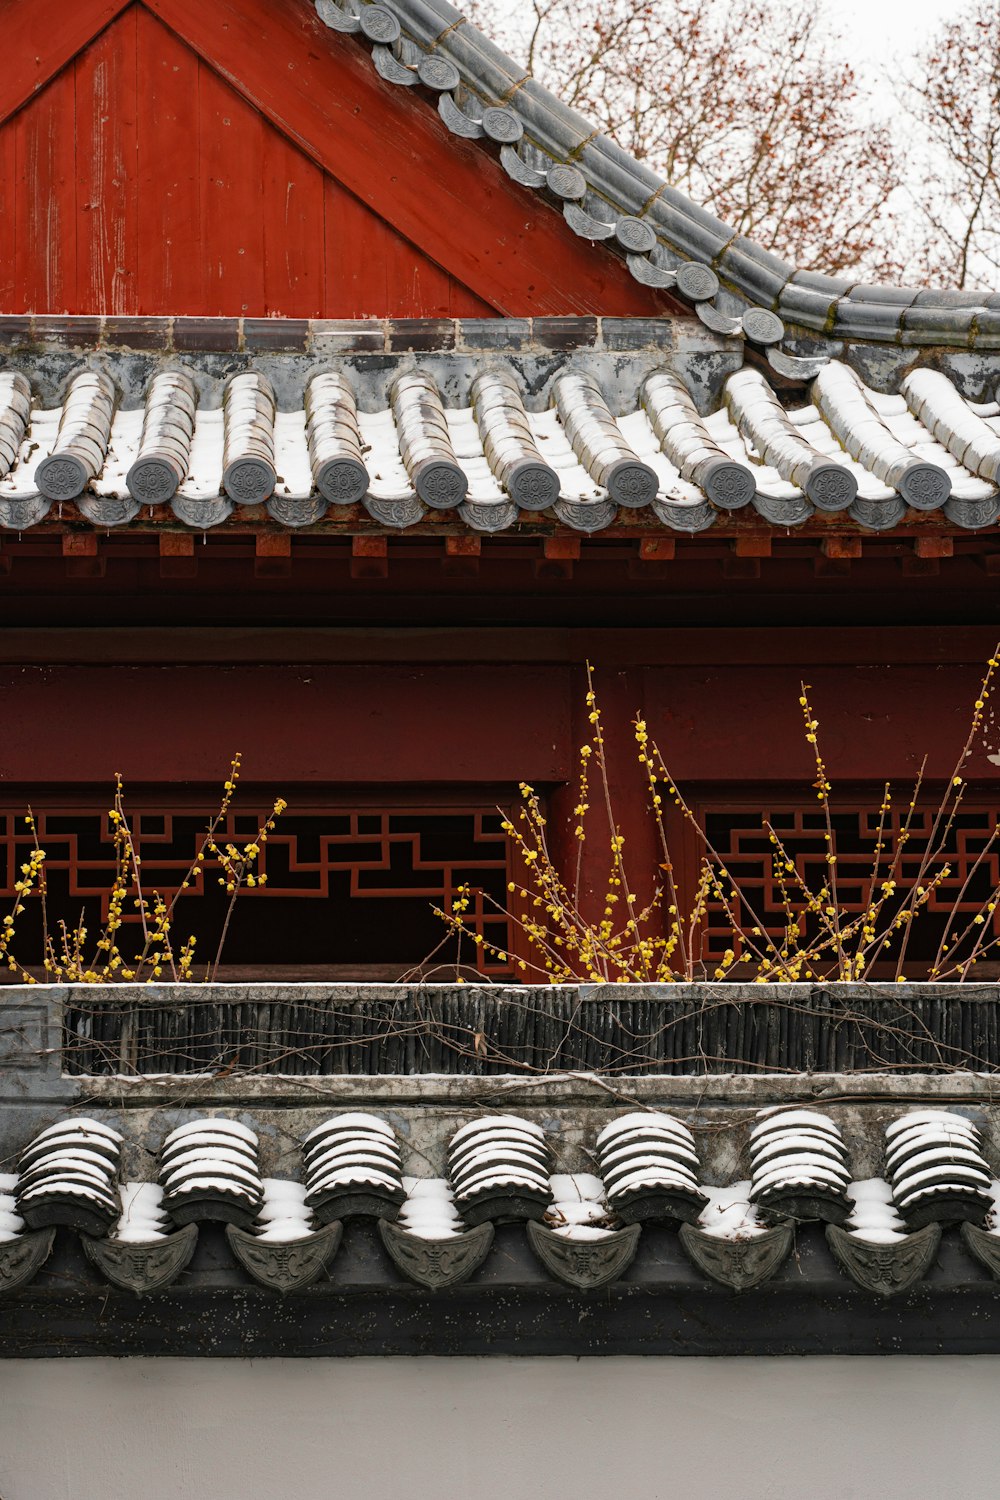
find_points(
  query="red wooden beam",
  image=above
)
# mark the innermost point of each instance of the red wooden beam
(934, 546)
(736, 566)
(657, 549)
(79, 544)
(752, 546)
(369, 557)
(461, 556)
(559, 553)
(841, 548)
(83, 560)
(561, 548)
(463, 546)
(272, 555)
(177, 555)
(39, 40)
(449, 197)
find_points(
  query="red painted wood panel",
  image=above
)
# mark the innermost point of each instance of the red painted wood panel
(185, 724)
(294, 227)
(371, 271)
(393, 151)
(8, 216)
(40, 39)
(139, 181)
(45, 201)
(231, 156)
(107, 189)
(305, 93)
(170, 266)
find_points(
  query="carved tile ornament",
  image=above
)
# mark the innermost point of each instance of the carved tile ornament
(289, 1265)
(22, 1258)
(585, 1264)
(143, 1267)
(984, 1246)
(437, 1263)
(887, 1270)
(738, 1264)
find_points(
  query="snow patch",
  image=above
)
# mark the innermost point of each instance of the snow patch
(283, 1215)
(579, 1208)
(873, 1216)
(142, 1216)
(429, 1210)
(729, 1214)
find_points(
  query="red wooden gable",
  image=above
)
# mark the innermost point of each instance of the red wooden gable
(227, 157)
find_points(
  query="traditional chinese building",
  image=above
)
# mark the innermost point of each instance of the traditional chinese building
(354, 395)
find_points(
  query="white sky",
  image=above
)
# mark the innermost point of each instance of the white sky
(881, 29)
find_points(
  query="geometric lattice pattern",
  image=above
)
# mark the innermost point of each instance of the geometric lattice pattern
(341, 884)
(737, 834)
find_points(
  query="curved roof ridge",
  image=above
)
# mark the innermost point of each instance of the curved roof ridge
(605, 193)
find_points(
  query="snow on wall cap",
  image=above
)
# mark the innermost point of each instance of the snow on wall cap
(358, 1161)
(472, 1162)
(67, 1154)
(57, 1185)
(214, 1185)
(943, 1155)
(924, 1136)
(799, 1161)
(524, 1140)
(649, 1168)
(655, 1179)
(378, 1148)
(569, 1187)
(225, 1170)
(211, 1125)
(779, 1182)
(914, 1183)
(100, 1181)
(430, 1189)
(501, 1177)
(497, 1122)
(662, 1141)
(82, 1124)
(521, 1167)
(929, 1117)
(767, 460)
(800, 1140)
(772, 1120)
(345, 1175)
(92, 1148)
(637, 1120)
(199, 1140)
(351, 1120)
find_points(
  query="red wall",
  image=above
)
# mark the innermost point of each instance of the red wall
(140, 181)
(228, 157)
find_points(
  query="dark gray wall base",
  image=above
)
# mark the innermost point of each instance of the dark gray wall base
(662, 1305)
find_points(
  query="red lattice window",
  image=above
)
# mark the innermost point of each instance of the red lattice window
(347, 889)
(735, 829)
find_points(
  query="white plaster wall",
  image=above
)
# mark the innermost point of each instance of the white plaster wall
(500, 1429)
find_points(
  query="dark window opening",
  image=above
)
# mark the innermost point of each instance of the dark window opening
(734, 827)
(349, 892)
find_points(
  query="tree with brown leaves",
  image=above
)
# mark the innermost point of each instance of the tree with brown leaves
(749, 108)
(953, 99)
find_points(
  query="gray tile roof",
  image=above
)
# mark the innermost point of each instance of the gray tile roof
(645, 1170)
(486, 439)
(666, 239)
